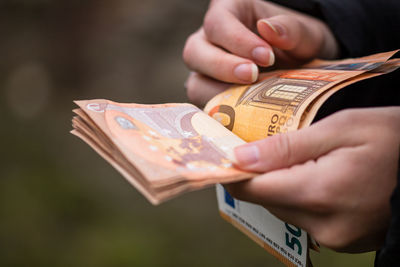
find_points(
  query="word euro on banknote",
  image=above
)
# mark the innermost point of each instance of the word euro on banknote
(168, 149)
(277, 103)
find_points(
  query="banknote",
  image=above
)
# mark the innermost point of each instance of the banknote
(165, 150)
(312, 109)
(276, 104)
(272, 234)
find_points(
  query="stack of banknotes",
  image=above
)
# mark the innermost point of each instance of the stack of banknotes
(165, 150)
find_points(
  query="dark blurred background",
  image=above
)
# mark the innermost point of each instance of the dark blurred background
(60, 203)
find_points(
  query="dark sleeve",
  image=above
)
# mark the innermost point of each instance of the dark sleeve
(362, 27)
(389, 255)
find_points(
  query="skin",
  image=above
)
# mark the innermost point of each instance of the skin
(333, 179)
(239, 35)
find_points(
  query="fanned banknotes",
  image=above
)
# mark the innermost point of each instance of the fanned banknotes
(282, 100)
(165, 150)
(168, 149)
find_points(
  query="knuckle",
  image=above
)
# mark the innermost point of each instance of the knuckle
(239, 40)
(296, 39)
(323, 235)
(344, 116)
(318, 198)
(188, 49)
(337, 123)
(191, 92)
(282, 148)
(318, 203)
(294, 27)
(334, 236)
(210, 24)
(346, 121)
(308, 28)
(192, 95)
(213, 2)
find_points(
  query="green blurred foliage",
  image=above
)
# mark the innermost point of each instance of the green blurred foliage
(60, 203)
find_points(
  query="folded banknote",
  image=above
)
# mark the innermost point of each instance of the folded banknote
(165, 150)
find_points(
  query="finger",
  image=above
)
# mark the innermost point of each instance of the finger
(204, 57)
(302, 39)
(285, 188)
(200, 88)
(288, 211)
(284, 150)
(299, 195)
(224, 29)
(296, 196)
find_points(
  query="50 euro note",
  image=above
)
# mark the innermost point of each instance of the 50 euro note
(281, 100)
(312, 109)
(168, 149)
(163, 150)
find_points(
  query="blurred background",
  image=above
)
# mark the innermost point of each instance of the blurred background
(60, 203)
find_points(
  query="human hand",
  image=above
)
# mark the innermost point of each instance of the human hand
(334, 179)
(226, 48)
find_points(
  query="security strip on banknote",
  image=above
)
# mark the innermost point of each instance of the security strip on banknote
(165, 150)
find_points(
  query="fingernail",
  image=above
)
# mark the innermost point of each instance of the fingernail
(271, 58)
(247, 154)
(261, 55)
(246, 72)
(276, 27)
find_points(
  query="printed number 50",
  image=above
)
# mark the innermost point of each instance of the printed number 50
(293, 241)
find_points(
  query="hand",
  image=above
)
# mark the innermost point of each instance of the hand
(333, 179)
(227, 49)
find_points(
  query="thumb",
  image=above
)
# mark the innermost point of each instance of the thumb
(287, 149)
(302, 38)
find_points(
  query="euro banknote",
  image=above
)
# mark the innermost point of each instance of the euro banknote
(165, 150)
(281, 100)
